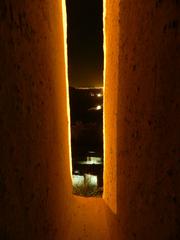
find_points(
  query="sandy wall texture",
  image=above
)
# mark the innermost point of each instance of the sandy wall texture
(33, 120)
(142, 101)
(142, 133)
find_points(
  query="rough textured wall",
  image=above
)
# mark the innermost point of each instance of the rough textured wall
(33, 120)
(111, 82)
(143, 116)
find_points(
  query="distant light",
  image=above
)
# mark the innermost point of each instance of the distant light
(99, 95)
(99, 107)
(92, 94)
(94, 160)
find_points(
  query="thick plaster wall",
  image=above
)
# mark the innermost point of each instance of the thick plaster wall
(34, 160)
(141, 197)
(142, 116)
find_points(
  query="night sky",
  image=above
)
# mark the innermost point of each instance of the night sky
(85, 42)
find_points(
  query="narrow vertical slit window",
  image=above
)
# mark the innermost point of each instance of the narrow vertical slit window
(85, 74)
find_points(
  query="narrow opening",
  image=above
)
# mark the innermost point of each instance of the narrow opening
(85, 74)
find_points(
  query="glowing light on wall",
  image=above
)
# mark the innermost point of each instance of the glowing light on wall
(64, 14)
(104, 88)
(111, 13)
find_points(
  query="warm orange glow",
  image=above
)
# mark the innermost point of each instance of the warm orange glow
(104, 89)
(109, 119)
(64, 14)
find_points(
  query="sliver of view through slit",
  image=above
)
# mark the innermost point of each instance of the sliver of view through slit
(85, 74)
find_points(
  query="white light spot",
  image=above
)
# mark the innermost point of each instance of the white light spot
(99, 107)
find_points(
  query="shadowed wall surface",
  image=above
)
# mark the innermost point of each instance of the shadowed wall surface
(33, 120)
(141, 196)
(142, 100)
